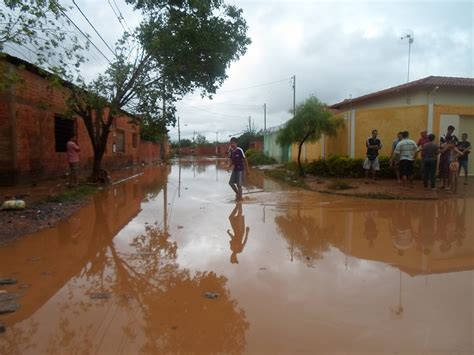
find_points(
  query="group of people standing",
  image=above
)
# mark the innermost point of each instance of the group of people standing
(450, 157)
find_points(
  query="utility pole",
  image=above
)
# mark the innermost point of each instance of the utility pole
(217, 144)
(410, 41)
(264, 117)
(179, 139)
(250, 123)
(294, 96)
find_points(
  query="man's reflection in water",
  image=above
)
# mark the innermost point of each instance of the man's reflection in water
(370, 229)
(401, 228)
(237, 240)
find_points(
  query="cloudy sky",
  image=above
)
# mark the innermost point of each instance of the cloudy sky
(335, 49)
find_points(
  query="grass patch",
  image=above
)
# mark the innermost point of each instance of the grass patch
(339, 185)
(73, 194)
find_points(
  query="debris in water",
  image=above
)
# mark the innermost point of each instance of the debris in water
(211, 295)
(7, 281)
(100, 296)
(3, 328)
(4, 297)
(8, 307)
(180, 227)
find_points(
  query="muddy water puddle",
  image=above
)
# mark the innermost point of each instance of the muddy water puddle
(168, 263)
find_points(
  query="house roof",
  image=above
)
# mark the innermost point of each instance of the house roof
(428, 82)
(45, 74)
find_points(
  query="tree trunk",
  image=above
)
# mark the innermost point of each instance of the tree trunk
(97, 167)
(300, 146)
(299, 159)
(99, 150)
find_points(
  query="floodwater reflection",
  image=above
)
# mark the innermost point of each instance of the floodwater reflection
(240, 234)
(128, 272)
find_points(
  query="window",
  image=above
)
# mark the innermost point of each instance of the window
(120, 141)
(63, 130)
(134, 140)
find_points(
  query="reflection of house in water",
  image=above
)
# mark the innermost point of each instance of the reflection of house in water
(49, 259)
(417, 237)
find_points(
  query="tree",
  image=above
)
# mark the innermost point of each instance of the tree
(247, 137)
(179, 47)
(312, 120)
(201, 140)
(39, 28)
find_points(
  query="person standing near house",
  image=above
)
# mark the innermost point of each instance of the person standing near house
(406, 150)
(73, 159)
(240, 166)
(449, 133)
(453, 164)
(394, 163)
(371, 162)
(421, 142)
(465, 147)
(429, 155)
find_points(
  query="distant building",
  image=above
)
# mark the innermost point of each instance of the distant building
(34, 130)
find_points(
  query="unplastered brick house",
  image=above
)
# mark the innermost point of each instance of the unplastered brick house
(34, 130)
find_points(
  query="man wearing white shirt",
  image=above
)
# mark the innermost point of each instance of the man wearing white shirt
(406, 151)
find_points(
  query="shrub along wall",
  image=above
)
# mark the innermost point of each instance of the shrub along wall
(346, 167)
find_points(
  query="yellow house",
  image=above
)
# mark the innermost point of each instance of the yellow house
(432, 103)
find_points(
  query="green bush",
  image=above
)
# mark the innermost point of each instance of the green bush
(346, 167)
(255, 157)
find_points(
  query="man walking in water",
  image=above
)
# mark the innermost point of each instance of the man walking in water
(239, 162)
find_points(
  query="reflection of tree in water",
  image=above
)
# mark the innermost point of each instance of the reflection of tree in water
(306, 239)
(153, 183)
(162, 302)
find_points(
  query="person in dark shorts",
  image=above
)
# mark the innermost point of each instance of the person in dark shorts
(465, 147)
(241, 233)
(406, 151)
(371, 162)
(240, 167)
(429, 153)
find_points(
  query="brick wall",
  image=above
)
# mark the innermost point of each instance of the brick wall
(149, 152)
(222, 149)
(27, 133)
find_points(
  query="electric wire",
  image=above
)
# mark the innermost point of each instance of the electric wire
(121, 16)
(117, 15)
(255, 86)
(95, 30)
(85, 35)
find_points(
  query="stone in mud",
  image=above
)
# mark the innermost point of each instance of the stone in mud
(100, 296)
(211, 295)
(7, 281)
(4, 297)
(8, 307)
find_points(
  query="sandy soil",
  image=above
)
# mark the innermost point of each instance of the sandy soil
(389, 189)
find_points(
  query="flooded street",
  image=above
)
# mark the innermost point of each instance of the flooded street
(168, 263)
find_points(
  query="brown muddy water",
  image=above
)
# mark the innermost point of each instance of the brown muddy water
(168, 263)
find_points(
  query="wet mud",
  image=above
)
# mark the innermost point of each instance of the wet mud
(169, 263)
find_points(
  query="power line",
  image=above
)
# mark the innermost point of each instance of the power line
(116, 15)
(214, 113)
(85, 35)
(256, 86)
(98, 34)
(121, 16)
